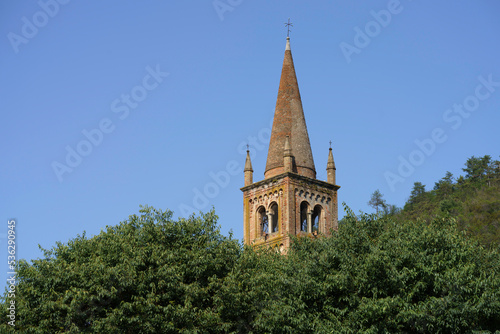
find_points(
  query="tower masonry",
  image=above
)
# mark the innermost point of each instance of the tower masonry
(289, 200)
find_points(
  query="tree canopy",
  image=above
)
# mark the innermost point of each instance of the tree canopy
(152, 274)
(149, 274)
(376, 201)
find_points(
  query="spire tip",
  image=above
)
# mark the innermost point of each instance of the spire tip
(288, 25)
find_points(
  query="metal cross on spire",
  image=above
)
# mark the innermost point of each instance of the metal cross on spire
(288, 25)
(330, 144)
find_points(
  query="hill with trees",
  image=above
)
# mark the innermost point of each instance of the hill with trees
(473, 199)
(153, 274)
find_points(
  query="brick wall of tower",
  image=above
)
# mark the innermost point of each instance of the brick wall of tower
(288, 191)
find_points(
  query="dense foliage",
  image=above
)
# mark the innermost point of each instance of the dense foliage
(149, 274)
(152, 274)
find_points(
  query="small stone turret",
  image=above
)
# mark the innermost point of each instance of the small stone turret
(248, 170)
(330, 168)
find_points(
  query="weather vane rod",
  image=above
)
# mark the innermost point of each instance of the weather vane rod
(288, 25)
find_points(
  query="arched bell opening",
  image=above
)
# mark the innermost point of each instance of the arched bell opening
(262, 221)
(316, 218)
(304, 208)
(273, 219)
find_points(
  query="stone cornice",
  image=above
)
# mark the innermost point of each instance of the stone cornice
(291, 176)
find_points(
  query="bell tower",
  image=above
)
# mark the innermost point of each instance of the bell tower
(290, 200)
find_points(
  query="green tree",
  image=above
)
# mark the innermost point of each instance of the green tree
(478, 169)
(445, 185)
(417, 191)
(417, 196)
(376, 201)
(149, 274)
(414, 277)
(391, 209)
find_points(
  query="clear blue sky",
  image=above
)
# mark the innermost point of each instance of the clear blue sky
(177, 88)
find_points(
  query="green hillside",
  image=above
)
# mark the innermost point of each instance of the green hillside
(473, 199)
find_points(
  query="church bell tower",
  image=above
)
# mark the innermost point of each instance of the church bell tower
(290, 200)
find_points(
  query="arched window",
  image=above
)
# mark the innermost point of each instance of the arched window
(316, 218)
(303, 216)
(262, 221)
(274, 217)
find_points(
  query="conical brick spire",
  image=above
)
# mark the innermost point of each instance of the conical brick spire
(289, 121)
